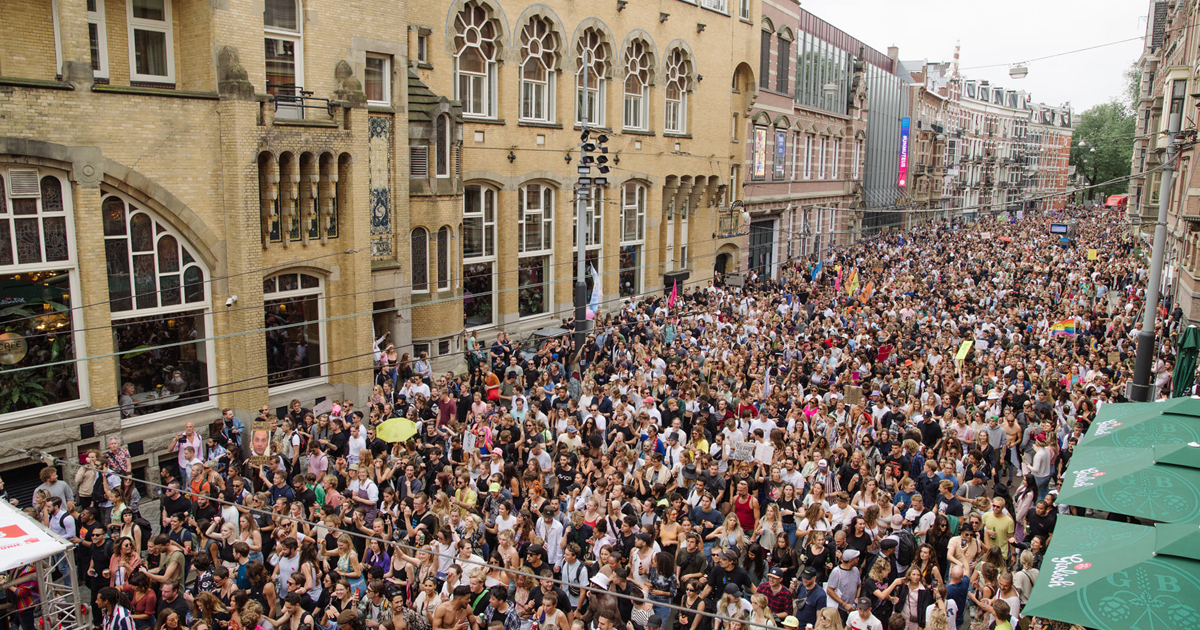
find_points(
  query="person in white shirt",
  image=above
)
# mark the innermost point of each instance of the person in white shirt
(861, 618)
(551, 532)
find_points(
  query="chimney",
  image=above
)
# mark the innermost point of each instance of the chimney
(893, 53)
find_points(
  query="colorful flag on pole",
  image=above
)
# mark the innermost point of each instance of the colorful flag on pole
(869, 290)
(1065, 327)
(594, 302)
(767, 384)
(817, 270)
(674, 294)
(852, 283)
(837, 284)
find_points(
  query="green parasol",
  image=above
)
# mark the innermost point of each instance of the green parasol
(1145, 424)
(1159, 484)
(1184, 375)
(1115, 576)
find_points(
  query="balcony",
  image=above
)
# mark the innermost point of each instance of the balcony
(291, 102)
(936, 128)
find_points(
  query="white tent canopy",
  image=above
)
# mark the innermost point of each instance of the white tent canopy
(24, 540)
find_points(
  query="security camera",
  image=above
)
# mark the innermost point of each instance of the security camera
(231, 301)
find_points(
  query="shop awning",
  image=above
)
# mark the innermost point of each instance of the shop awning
(1115, 576)
(1142, 425)
(1159, 484)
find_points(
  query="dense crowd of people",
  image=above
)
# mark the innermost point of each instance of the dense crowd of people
(869, 440)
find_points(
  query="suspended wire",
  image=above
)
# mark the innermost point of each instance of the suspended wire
(411, 549)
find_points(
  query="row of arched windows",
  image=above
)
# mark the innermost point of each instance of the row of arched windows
(477, 42)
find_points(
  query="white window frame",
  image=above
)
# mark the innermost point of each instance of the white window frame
(795, 154)
(296, 37)
(204, 305)
(676, 122)
(545, 217)
(422, 48)
(635, 108)
(485, 81)
(833, 158)
(140, 24)
(323, 332)
(856, 169)
(720, 6)
(596, 96)
(744, 10)
(821, 165)
(808, 154)
(486, 257)
(387, 78)
(595, 234)
(639, 210)
(97, 18)
(546, 88)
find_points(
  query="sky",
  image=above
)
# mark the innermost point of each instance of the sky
(1007, 33)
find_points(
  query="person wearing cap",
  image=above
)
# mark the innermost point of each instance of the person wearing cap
(726, 572)
(861, 618)
(845, 582)
(779, 597)
(810, 597)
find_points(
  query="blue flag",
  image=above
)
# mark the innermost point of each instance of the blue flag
(817, 270)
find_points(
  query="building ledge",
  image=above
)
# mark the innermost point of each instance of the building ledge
(151, 91)
(381, 109)
(300, 122)
(539, 125)
(384, 265)
(637, 132)
(483, 121)
(685, 136)
(45, 84)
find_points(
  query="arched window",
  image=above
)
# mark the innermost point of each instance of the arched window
(479, 255)
(442, 138)
(592, 53)
(475, 60)
(535, 246)
(539, 59)
(679, 77)
(633, 238)
(420, 260)
(283, 26)
(39, 275)
(443, 258)
(637, 84)
(158, 296)
(294, 307)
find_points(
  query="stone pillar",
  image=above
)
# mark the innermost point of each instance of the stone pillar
(93, 283)
(75, 42)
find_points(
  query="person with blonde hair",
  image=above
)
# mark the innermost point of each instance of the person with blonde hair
(829, 619)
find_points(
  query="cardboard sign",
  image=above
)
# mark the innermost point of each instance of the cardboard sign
(1114, 358)
(854, 395)
(743, 451)
(260, 443)
(1093, 254)
(764, 453)
(964, 349)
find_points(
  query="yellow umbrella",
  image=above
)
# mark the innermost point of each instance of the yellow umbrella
(396, 430)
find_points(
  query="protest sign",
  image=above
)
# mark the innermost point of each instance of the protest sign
(743, 451)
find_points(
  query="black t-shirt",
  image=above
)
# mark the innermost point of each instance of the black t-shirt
(720, 577)
(566, 477)
(1040, 525)
(898, 464)
(176, 505)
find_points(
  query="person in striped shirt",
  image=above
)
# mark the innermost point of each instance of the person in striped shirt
(115, 606)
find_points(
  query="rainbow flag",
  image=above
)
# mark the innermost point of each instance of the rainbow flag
(852, 283)
(1065, 327)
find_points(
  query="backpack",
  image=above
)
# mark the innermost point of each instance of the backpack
(99, 487)
(906, 551)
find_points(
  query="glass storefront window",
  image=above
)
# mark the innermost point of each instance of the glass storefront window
(36, 327)
(163, 378)
(478, 294)
(292, 308)
(535, 285)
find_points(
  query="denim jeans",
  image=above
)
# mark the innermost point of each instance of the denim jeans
(790, 529)
(708, 547)
(661, 611)
(1043, 486)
